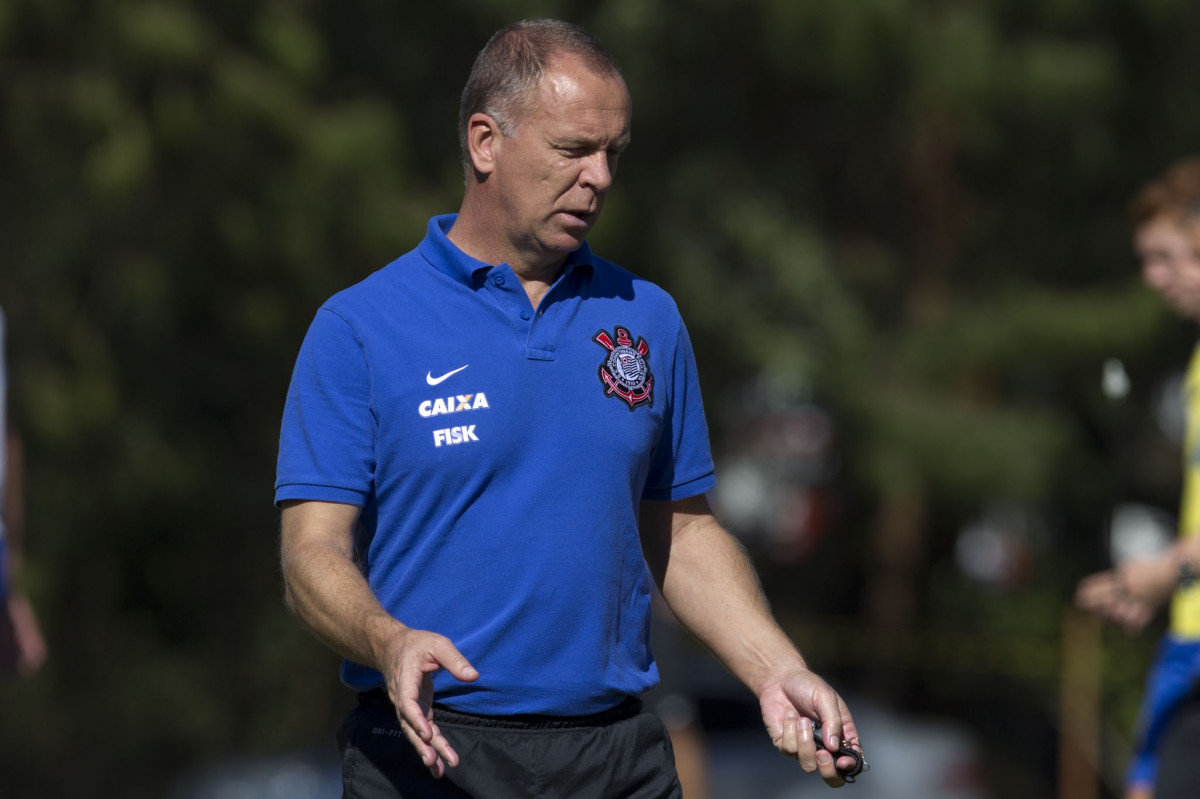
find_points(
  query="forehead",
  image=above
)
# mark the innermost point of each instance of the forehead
(574, 97)
(1162, 232)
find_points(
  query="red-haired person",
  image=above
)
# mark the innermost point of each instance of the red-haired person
(1166, 218)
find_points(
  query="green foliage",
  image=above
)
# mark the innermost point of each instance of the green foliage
(912, 210)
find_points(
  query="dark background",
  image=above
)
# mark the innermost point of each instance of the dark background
(901, 221)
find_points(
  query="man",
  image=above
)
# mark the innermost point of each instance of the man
(484, 443)
(1166, 216)
(22, 647)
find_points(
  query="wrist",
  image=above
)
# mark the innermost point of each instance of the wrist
(775, 674)
(1184, 565)
(384, 641)
(1186, 573)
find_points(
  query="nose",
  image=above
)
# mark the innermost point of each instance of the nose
(598, 170)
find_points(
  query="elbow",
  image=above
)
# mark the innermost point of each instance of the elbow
(289, 599)
(292, 589)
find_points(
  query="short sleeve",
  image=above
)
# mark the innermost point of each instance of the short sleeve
(327, 438)
(682, 464)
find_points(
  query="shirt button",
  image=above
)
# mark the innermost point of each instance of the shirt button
(525, 315)
(498, 280)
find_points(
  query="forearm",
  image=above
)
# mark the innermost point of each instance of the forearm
(14, 508)
(1133, 592)
(710, 585)
(325, 589)
(328, 593)
(708, 581)
(1156, 579)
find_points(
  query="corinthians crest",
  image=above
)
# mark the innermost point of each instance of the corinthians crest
(625, 372)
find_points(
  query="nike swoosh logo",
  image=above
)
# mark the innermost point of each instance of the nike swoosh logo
(433, 381)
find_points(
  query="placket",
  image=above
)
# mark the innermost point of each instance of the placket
(535, 329)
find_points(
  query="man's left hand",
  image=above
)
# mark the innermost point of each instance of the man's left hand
(789, 704)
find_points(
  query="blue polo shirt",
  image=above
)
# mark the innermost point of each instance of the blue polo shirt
(499, 455)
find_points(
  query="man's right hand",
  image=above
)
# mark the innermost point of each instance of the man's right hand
(328, 593)
(411, 659)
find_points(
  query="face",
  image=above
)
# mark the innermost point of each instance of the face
(1170, 262)
(551, 176)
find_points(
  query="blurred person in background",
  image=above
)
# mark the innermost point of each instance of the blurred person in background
(483, 445)
(1166, 765)
(22, 647)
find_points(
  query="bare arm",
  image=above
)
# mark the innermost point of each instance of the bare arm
(324, 587)
(713, 590)
(22, 645)
(14, 505)
(328, 593)
(1131, 594)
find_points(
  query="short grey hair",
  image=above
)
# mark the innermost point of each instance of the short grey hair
(510, 67)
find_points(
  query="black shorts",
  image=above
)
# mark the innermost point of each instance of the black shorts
(1179, 765)
(624, 753)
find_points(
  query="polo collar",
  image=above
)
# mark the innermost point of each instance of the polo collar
(447, 258)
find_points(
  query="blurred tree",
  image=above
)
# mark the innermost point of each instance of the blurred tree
(911, 209)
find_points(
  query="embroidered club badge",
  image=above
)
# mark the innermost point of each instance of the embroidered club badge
(625, 372)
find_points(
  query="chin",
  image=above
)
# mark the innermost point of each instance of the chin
(567, 240)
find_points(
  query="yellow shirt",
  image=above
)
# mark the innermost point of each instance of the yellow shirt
(1185, 605)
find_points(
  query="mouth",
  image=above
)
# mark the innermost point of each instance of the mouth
(582, 217)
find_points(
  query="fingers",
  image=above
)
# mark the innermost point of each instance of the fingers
(447, 656)
(414, 703)
(1132, 617)
(410, 682)
(805, 750)
(832, 710)
(849, 728)
(1104, 595)
(416, 719)
(847, 765)
(1096, 591)
(797, 741)
(444, 749)
(1109, 599)
(816, 749)
(828, 768)
(437, 754)
(410, 686)
(789, 742)
(427, 752)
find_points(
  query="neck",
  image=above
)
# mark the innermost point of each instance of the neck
(535, 268)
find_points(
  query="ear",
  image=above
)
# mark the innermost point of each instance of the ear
(483, 142)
